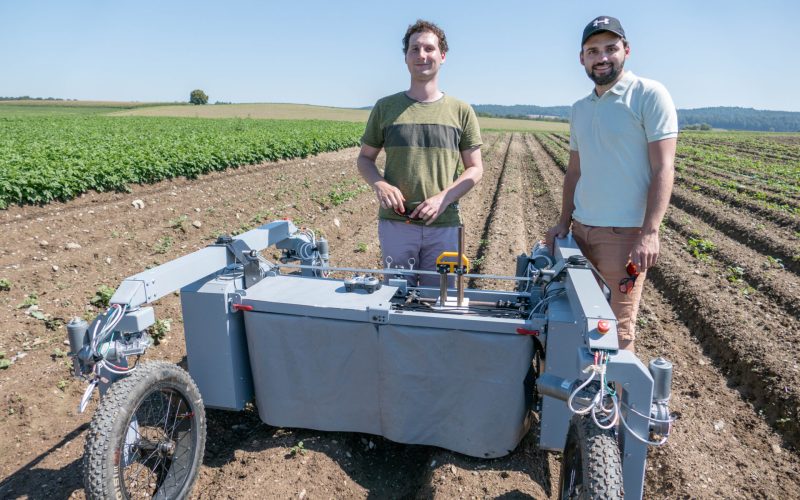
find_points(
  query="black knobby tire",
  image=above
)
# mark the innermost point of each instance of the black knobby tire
(147, 436)
(591, 467)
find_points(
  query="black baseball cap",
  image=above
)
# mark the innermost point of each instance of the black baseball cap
(602, 23)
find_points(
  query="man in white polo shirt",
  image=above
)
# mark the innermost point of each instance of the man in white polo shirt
(621, 167)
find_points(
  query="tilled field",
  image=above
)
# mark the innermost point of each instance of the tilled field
(727, 319)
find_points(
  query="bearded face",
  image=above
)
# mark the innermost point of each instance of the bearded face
(603, 57)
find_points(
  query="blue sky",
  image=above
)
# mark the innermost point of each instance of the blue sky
(348, 53)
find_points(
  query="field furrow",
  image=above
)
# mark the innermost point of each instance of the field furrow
(761, 235)
(679, 291)
(736, 200)
(726, 315)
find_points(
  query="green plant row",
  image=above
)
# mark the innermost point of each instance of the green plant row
(43, 159)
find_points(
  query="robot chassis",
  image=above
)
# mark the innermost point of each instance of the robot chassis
(414, 364)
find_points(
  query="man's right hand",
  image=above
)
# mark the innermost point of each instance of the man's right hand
(389, 196)
(558, 231)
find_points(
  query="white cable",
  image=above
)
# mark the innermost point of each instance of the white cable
(643, 440)
(613, 415)
(582, 411)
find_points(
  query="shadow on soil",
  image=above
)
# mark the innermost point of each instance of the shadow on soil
(382, 467)
(34, 483)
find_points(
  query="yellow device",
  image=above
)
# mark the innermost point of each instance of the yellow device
(445, 260)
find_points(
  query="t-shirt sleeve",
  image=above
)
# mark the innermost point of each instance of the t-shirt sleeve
(573, 137)
(659, 115)
(471, 135)
(373, 133)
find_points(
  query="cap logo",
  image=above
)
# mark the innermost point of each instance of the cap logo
(597, 22)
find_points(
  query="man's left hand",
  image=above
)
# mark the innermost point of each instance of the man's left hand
(430, 209)
(645, 252)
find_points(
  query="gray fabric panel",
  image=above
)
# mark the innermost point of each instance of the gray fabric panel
(463, 391)
(314, 373)
(459, 390)
(419, 135)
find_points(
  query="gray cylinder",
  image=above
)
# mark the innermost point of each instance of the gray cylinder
(77, 333)
(541, 256)
(554, 386)
(661, 370)
(322, 248)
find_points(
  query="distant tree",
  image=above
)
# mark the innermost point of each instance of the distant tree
(198, 97)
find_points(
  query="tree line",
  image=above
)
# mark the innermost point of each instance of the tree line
(724, 117)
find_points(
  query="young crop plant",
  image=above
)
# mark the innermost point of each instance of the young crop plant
(735, 274)
(163, 245)
(5, 284)
(102, 297)
(361, 247)
(47, 158)
(32, 299)
(701, 248)
(345, 191)
(178, 223)
(160, 330)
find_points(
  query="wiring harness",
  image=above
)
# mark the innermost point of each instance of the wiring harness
(604, 405)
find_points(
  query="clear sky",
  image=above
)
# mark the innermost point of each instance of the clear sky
(348, 53)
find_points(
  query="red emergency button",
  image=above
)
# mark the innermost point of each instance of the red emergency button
(603, 326)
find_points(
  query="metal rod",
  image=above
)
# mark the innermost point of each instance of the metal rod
(397, 271)
(483, 303)
(460, 277)
(443, 289)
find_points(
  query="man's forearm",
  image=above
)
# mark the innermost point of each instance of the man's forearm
(466, 181)
(658, 198)
(662, 165)
(568, 194)
(368, 170)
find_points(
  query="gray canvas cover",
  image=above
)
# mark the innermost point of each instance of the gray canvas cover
(460, 390)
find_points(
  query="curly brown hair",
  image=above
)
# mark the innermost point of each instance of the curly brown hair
(420, 26)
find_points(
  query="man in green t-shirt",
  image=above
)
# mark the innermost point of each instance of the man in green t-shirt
(425, 134)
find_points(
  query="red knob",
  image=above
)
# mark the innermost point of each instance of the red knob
(603, 326)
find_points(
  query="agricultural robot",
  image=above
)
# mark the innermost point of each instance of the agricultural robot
(460, 368)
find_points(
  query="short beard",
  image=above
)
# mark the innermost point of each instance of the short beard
(606, 79)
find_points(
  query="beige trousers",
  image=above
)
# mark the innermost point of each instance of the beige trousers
(609, 249)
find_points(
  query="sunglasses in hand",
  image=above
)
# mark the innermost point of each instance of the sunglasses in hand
(409, 208)
(626, 284)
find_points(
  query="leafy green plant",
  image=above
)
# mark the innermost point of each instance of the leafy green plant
(60, 157)
(178, 223)
(735, 274)
(361, 247)
(345, 191)
(160, 329)
(102, 296)
(163, 244)
(62, 384)
(701, 248)
(298, 449)
(31, 299)
(5, 284)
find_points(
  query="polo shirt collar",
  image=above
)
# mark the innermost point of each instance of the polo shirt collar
(620, 87)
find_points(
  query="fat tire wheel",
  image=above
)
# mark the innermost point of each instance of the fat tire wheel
(591, 467)
(147, 437)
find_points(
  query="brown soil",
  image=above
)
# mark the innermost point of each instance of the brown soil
(735, 384)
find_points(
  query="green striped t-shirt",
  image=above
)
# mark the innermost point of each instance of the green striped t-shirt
(423, 143)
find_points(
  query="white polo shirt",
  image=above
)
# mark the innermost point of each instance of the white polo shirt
(610, 133)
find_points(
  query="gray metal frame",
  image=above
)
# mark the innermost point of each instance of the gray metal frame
(225, 283)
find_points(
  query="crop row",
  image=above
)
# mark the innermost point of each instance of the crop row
(58, 158)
